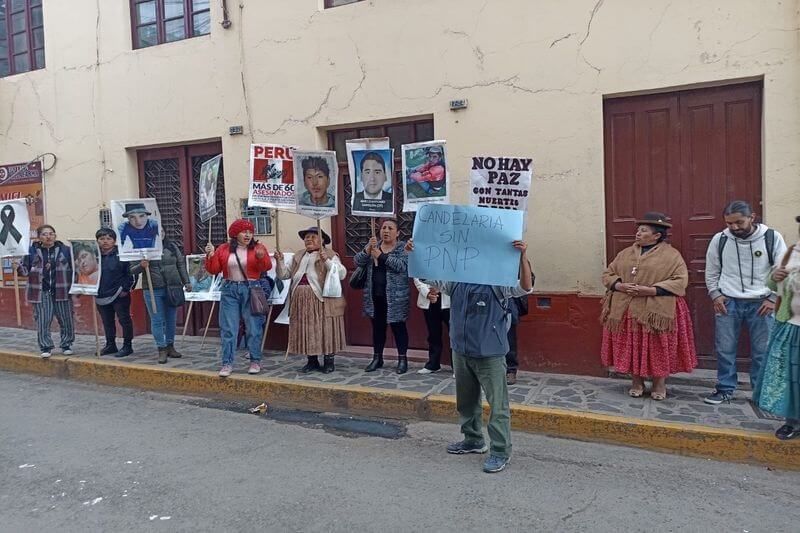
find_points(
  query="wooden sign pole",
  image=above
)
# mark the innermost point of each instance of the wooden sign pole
(96, 329)
(150, 284)
(16, 295)
(208, 323)
(266, 329)
(186, 320)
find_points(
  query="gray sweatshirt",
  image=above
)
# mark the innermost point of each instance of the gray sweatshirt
(745, 265)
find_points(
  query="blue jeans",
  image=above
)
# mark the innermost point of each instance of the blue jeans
(233, 306)
(727, 329)
(162, 323)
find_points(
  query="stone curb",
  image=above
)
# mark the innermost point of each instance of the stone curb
(686, 439)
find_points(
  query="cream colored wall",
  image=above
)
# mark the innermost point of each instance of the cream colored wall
(534, 73)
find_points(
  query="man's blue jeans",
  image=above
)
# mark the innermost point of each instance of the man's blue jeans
(162, 323)
(233, 306)
(727, 329)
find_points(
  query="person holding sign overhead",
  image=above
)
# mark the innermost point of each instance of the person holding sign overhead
(49, 272)
(386, 293)
(241, 262)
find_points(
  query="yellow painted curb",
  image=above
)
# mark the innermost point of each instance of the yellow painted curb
(686, 439)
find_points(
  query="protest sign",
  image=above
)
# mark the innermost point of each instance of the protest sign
(425, 173)
(316, 179)
(205, 286)
(370, 164)
(209, 174)
(86, 266)
(23, 181)
(271, 177)
(465, 243)
(502, 182)
(138, 225)
(281, 289)
(15, 228)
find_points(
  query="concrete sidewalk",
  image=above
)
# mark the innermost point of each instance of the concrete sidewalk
(562, 405)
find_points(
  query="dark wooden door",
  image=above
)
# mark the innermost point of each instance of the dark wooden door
(171, 176)
(686, 153)
(351, 233)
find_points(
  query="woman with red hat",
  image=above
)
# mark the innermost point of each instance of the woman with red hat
(647, 329)
(241, 262)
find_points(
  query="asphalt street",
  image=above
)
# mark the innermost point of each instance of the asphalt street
(80, 457)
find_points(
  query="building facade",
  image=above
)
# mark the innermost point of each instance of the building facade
(625, 106)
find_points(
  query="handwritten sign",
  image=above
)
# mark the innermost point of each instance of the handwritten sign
(502, 182)
(464, 243)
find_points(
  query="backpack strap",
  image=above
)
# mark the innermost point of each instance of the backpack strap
(723, 240)
(769, 240)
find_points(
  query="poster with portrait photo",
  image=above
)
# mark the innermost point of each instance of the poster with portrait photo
(207, 195)
(281, 289)
(370, 166)
(15, 228)
(86, 266)
(427, 179)
(316, 178)
(205, 286)
(138, 225)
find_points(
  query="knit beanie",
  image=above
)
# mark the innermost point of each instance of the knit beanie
(239, 226)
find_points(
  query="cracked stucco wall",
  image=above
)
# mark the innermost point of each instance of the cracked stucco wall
(534, 73)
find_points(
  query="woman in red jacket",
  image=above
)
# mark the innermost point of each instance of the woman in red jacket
(239, 270)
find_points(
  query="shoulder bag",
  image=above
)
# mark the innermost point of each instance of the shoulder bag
(258, 300)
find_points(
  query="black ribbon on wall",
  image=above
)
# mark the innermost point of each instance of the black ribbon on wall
(7, 216)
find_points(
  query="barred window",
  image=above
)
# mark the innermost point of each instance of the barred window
(162, 21)
(337, 3)
(260, 217)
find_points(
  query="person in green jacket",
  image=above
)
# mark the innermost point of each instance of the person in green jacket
(167, 274)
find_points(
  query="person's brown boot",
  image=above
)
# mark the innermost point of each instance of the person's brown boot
(162, 355)
(511, 378)
(172, 352)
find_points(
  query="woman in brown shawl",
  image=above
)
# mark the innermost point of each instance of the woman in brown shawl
(647, 329)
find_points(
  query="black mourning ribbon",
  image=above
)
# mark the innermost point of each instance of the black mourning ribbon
(7, 216)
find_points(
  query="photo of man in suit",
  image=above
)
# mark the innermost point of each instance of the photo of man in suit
(373, 174)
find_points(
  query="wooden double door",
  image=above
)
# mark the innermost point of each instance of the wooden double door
(171, 176)
(688, 154)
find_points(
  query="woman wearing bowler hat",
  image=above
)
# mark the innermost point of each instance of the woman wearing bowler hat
(316, 323)
(647, 329)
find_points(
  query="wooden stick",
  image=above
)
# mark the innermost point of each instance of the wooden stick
(186, 320)
(277, 231)
(208, 323)
(150, 284)
(16, 296)
(266, 329)
(96, 329)
(322, 286)
(209, 228)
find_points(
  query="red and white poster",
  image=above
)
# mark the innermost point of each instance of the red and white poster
(271, 177)
(23, 182)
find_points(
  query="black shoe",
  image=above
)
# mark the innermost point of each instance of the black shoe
(172, 352)
(328, 367)
(126, 350)
(402, 364)
(787, 432)
(162, 355)
(377, 362)
(109, 349)
(311, 365)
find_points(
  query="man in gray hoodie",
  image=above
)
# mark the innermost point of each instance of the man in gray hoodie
(738, 261)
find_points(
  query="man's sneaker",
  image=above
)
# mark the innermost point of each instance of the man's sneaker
(718, 397)
(462, 447)
(424, 370)
(511, 378)
(67, 351)
(225, 371)
(787, 432)
(45, 354)
(495, 463)
(255, 368)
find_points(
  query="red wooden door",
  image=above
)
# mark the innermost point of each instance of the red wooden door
(171, 176)
(351, 233)
(686, 153)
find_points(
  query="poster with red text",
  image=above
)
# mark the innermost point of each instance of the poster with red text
(271, 177)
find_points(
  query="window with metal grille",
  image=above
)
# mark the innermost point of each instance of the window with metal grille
(337, 3)
(105, 217)
(162, 21)
(21, 36)
(260, 217)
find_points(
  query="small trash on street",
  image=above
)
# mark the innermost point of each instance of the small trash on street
(259, 409)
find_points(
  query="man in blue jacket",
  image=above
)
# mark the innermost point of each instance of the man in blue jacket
(479, 322)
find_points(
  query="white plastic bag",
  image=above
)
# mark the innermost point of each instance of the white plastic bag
(333, 286)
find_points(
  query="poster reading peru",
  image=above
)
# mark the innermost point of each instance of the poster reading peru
(271, 177)
(23, 182)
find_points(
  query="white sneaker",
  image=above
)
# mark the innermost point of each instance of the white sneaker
(46, 355)
(68, 351)
(424, 370)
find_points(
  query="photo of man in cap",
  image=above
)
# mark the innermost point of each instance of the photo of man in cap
(429, 176)
(140, 229)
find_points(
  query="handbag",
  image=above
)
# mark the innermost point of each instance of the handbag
(358, 279)
(175, 296)
(258, 300)
(333, 286)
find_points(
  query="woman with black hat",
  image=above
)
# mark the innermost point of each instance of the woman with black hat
(778, 388)
(647, 329)
(316, 322)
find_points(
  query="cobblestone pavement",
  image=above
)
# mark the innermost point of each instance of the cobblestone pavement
(576, 393)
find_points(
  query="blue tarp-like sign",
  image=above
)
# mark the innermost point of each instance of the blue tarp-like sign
(464, 243)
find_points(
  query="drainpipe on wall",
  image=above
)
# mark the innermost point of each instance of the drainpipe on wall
(226, 21)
